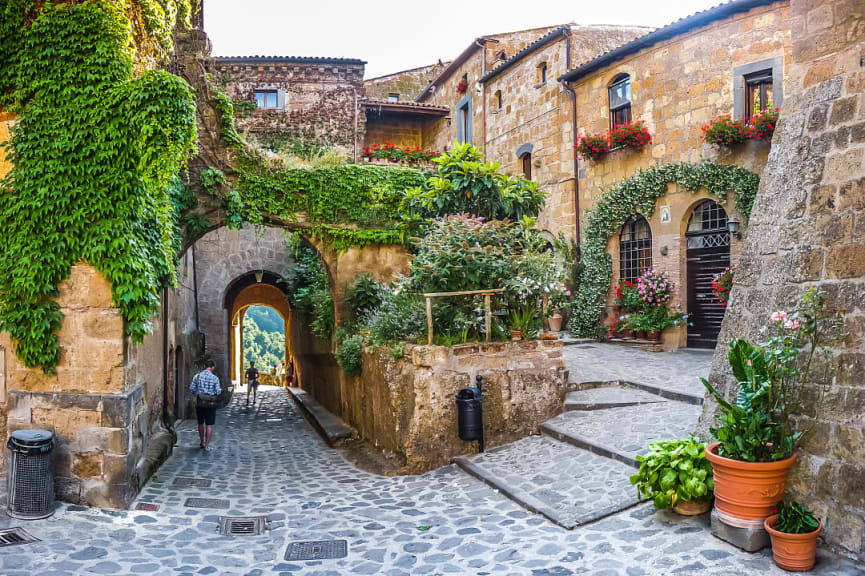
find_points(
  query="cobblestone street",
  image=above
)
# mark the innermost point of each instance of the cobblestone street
(269, 461)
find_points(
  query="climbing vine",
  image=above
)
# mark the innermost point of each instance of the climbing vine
(94, 154)
(638, 194)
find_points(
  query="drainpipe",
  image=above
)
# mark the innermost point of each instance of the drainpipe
(195, 287)
(356, 108)
(573, 94)
(166, 419)
(483, 47)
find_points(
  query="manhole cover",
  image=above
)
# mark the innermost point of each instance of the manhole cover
(207, 503)
(321, 550)
(242, 525)
(147, 506)
(183, 482)
(14, 536)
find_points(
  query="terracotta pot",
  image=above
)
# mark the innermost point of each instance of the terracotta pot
(555, 322)
(653, 336)
(748, 490)
(692, 507)
(516, 335)
(793, 552)
(641, 334)
(627, 334)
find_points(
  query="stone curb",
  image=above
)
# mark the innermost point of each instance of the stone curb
(330, 426)
(562, 436)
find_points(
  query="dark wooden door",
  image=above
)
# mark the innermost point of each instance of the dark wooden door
(708, 253)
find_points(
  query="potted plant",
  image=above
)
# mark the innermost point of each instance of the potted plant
(675, 473)
(523, 323)
(636, 323)
(722, 285)
(593, 147)
(763, 124)
(630, 135)
(725, 132)
(793, 530)
(756, 435)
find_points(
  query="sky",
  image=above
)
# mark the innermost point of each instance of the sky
(399, 35)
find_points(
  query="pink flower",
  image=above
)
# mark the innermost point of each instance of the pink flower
(749, 362)
(568, 293)
(791, 324)
(779, 316)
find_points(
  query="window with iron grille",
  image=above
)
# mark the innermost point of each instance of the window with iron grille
(620, 100)
(635, 248)
(707, 226)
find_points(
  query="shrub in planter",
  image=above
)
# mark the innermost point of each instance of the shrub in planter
(676, 472)
(756, 434)
(634, 135)
(794, 530)
(763, 124)
(593, 147)
(400, 316)
(723, 131)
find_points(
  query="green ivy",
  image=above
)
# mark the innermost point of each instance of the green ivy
(94, 155)
(639, 194)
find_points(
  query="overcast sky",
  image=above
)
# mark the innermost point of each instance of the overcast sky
(398, 35)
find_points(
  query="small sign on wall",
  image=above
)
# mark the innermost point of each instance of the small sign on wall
(665, 213)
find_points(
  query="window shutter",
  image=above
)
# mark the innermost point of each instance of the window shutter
(280, 99)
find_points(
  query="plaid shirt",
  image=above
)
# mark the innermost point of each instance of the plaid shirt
(206, 382)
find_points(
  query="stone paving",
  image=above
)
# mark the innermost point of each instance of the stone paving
(677, 372)
(608, 397)
(628, 430)
(268, 460)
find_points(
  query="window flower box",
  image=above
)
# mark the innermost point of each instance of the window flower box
(595, 147)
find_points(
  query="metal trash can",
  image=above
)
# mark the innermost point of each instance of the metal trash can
(470, 420)
(30, 482)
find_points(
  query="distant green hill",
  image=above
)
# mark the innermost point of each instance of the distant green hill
(268, 319)
(263, 337)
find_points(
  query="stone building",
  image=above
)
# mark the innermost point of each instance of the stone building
(404, 85)
(806, 230)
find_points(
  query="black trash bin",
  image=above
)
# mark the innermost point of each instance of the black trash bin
(470, 414)
(30, 482)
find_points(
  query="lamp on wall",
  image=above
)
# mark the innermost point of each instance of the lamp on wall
(258, 276)
(734, 226)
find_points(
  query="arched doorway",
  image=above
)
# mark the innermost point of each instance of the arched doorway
(708, 253)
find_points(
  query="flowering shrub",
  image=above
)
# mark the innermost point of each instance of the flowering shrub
(654, 288)
(390, 152)
(722, 131)
(628, 297)
(722, 284)
(763, 123)
(634, 135)
(592, 147)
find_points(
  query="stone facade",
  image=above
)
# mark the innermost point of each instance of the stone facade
(407, 406)
(317, 98)
(807, 231)
(406, 84)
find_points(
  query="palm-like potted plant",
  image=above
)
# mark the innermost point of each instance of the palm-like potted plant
(756, 435)
(794, 530)
(675, 473)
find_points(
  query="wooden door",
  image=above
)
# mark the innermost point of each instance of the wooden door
(708, 253)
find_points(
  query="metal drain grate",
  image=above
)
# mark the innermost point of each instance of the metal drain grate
(242, 525)
(147, 506)
(320, 550)
(183, 482)
(15, 536)
(207, 503)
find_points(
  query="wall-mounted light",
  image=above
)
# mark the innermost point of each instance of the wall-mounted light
(734, 226)
(259, 275)
(448, 120)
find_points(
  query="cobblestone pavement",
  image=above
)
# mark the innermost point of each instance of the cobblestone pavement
(608, 397)
(673, 371)
(268, 460)
(628, 430)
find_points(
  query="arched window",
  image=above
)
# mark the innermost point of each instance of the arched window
(620, 100)
(527, 165)
(707, 227)
(635, 248)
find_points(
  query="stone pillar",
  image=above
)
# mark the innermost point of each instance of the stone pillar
(808, 229)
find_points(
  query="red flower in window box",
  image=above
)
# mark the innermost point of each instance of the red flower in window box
(763, 123)
(593, 147)
(722, 284)
(634, 135)
(462, 87)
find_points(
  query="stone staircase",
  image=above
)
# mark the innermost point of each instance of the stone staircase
(577, 471)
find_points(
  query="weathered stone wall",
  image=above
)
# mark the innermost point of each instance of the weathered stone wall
(401, 130)
(808, 229)
(320, 98)
(406, 83)
(677, 86)
(408, 405)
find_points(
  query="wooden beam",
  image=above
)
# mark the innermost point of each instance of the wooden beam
(464, 293)
(429, 322)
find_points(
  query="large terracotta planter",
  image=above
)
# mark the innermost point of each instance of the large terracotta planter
(793, 552)
(748, 490)
(555, 322)
(653, 336)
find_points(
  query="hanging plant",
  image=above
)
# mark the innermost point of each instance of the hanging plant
(639, 194)
(722, 131)
(722, 285)
(763, 124)
(632, 135)
(462, 87)
(594, 147)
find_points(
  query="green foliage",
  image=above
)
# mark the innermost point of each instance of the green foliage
(673, 471)
(211, 179)
(363, 297)
(349, 354)
(793, 518)
(772, 378)
(308, 288)
(263, 337)
(400, 316)
(467, 184)
(527, 320)
(244, 108)
(94, 158)
(225, 108)
(639, 194)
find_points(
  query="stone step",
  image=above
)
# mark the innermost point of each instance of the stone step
(601, 398)
(330, 426)
(625, 432)
(568, 485)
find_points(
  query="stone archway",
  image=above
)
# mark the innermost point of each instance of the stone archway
(259, 293)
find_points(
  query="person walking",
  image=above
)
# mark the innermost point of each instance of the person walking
(206, 387)
(289, 375)
(251, 382)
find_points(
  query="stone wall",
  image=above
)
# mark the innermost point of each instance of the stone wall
(407, 406)
(407, 84)
(401, 130)
(319, 98)
(808, 229)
